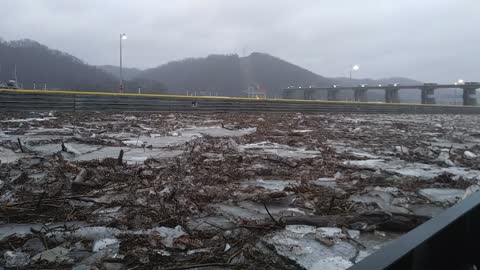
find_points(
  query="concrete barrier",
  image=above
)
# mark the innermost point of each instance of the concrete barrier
(74, 101)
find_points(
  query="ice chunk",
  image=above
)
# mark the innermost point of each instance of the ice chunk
(308, 252)
(421, 170)
(354, 234)
(274, 185)
(29, 120)
(16, 259)
(427, 210)
(300, 229)
(470, 190)
(168, 234)
(445, 195)
(104, 243)
(469, 154)
(71, 149)
(445, 158)
(329, 232)
(94, 233)
(54, 255)
(133, 142)
(326, 182)
(383, 197)
(332, 263)
(402, 149)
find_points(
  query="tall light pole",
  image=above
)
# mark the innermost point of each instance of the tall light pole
(354, 68)
(122, 37)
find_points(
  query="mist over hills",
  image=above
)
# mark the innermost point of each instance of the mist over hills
(228, 75)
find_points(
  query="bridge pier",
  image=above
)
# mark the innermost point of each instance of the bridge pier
(332, 95)
(360, 94)
(391, 95)
(470, 94)
(287, 94)
(307, 94)
(428, 95)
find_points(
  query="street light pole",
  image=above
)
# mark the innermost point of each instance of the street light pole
(122, 37)
(458, 82)
(455, 94)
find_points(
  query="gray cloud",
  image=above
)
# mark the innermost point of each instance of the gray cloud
(430, 40)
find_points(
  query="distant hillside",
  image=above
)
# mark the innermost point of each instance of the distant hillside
(128, 73)
(38, 64)
(216, 73)
(231, 75)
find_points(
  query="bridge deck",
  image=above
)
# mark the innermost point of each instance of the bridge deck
(383, 87)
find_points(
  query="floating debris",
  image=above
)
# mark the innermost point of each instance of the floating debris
(234, 190)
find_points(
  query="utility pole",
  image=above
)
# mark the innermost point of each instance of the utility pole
(122, 37)
(15, 73)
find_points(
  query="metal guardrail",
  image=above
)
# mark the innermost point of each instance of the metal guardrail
(448, 241)
(29, 100)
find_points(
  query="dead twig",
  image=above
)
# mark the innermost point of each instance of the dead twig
(332, 201)
(20, 144)
(40, 200)
(268, 212)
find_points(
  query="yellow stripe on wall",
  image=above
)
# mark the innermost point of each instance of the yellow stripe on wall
(68, 92)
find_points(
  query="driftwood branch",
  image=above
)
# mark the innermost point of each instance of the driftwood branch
(379, 220)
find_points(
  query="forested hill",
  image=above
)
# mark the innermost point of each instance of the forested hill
(231, 75)
(37, 64)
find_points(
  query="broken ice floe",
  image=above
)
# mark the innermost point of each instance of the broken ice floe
(280, 150)
(413, 169)
(299, 243)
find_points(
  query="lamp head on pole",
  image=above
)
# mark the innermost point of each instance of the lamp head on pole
(355, 67)
(123, 36)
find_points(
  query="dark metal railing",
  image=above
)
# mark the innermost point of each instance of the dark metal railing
(449, 241)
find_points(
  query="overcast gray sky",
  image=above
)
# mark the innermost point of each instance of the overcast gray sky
(429, 40)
